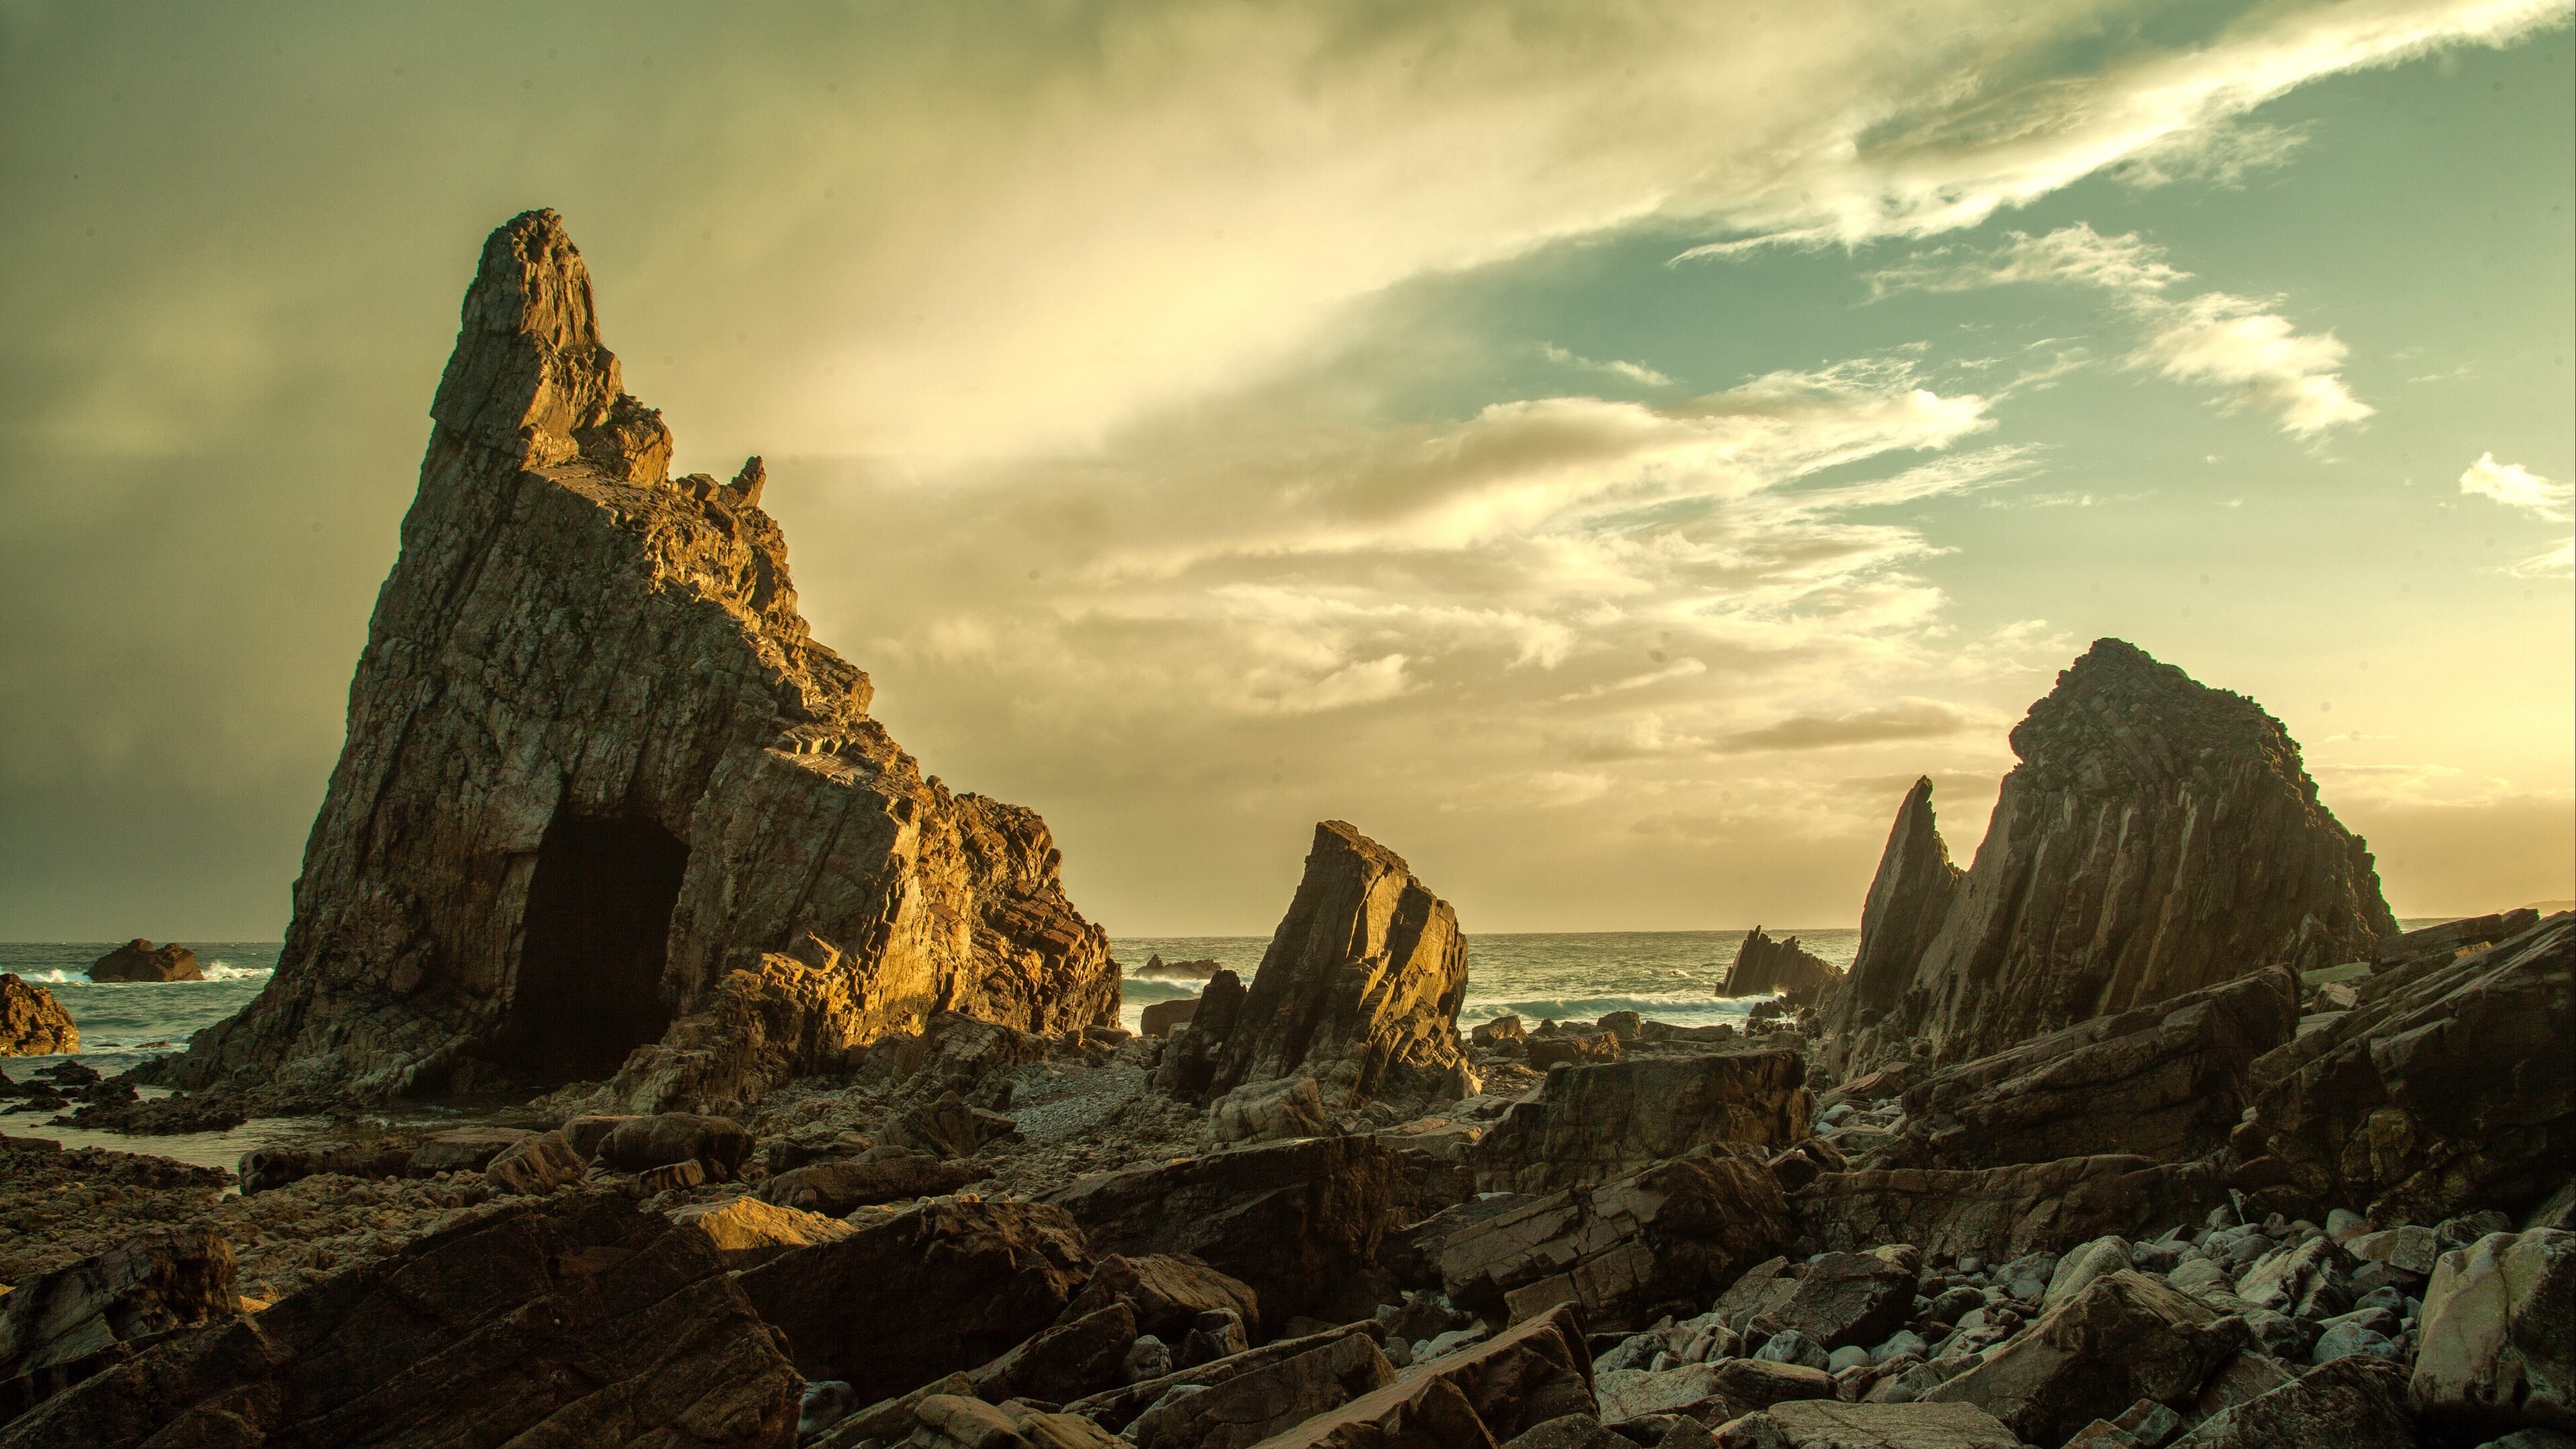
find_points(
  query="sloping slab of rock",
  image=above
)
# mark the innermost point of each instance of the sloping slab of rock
(2001, 1213)
(1676, 1233)
(1593, 1123)
(950, 1284)
(1475, 1398)
(1295, 1220)
(67, 1325)
(747, 1232)
(2167, 1081)
(2498, 1340)
(1824, 1424)
(2351, 1403)
(1166, 1292)
(2126, 1337)
(1250, 1407)
(2449, 1087)
(1116, 1408)
(573, 1320)
(1849, 1298)
(1076, 1357)
(882, 1174)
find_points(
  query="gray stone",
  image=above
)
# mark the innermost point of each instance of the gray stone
(2497, 1341)
(1824, 1424)
(2124, 1338)
(1791, 1346)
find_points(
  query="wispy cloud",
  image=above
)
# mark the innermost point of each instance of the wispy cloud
(1918, 719)
(2516, 486)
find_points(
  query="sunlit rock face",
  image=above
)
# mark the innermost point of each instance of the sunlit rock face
(605, 809)
(2158, 837)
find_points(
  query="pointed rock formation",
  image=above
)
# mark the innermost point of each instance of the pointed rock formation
(1360, 987)
(2158, 837)
(32, 1022)
(605, 806)
(1764, 967)
(1908, 899)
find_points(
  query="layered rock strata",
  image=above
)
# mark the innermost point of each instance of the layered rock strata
(1908, 900)
(1587, 1124)
(1359, 988)
(605, 807)
(2158, 837)
(1765, 967)
(32, 1022)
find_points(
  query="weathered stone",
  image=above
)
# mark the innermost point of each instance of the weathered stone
(1999, 1213)
(264, 1168)
(1670, 1235)
(1294, 1220)
(2077, 1269)
(1161, 1016)
(1764, 967)
(2452, 937)
(2159, 837)
(2357, 1402)
(716, 1143)
(1359, 988)
(463, 1149)
(605, 806)
(2410, 1248)
(1550, 1050)
(1076, 1357)
(32, 1022)
(1472, 1399)
(2168, 1080)
(1263, 1111)
(1629, 1394)
(882, 1174)
(2498, 1338)
(1752, 1384)
(1167, 1292)
(748, 1232)
(1824, 1424)
(538, 1164)
(66, 1326)
(2304, 1280)
(672, 1177)
(947, 1285)
(1503, 1031)
(567, 1320)
(947, 1127)
(1191, 1062)
(2124, 1338)
(1118, 1408)
(1589, 1124)
(140, 960)
(2449, 1087)
(1850, 1298)
(1566, 1431)
(1908, 899)
(1250, 1407)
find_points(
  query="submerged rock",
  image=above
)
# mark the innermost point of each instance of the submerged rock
(605, 807)
(140, 960)
(32, 1022)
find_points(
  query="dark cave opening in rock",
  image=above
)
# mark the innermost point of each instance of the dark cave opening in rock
(597, 933)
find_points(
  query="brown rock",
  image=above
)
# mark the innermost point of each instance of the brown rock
(1250, 1407)
(1589, 1124)
(1503, 1031)
(1824, 1424)
(1079, 1356)
(2354, 1401)
(1117, 1408)
(1294, 1220)
(568, 1320)
(1764, 967)
(602, 791)
(716, 1143)
(69, 1325)
(1471, 1399)
(463, 1149)
(1584, 1050)
(1161, 1016)
(2124, 1338)
(1166, 1291)
(1191, 1062)
(2447, 1089)
(1674, 1234)
(2498, 1340)
(747, 1232)
(938, 1289)
(140, 960)
(2158, 837)
(536, 1164)
(1852, 1298)
(671, 1177)
(2168, 1081)
(948, 1127)
(2452, 937)
(1359, 988)
(2000, 1213)
(882, 1174)
(32, 1022)
(1753, 1384)
(264, 1168)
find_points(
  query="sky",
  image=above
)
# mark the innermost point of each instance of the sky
(1604, 451)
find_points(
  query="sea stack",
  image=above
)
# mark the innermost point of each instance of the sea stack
(140, 960)
(605, 807)
(1765, 967)
(2158, 837)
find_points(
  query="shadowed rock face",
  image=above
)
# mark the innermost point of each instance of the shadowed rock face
(605, 807)
(140, 960)
(1908, 899)
(1764, 966)
(2158, 837)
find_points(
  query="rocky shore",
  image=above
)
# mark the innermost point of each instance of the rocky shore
(2147, 1130)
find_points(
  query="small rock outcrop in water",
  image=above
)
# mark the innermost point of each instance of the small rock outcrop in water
(2159, 836)
(1359, 989)
(32, 1022)
(605, 806)
(1764, 967)
(140, 960)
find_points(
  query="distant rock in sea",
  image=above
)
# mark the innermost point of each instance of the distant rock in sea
(606, 810)
(32, 1022)
(1158, 969)
(1764, 967)
(2158, 837)
(140, 960)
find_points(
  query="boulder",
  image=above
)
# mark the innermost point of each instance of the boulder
(2124, 1338)
(1567, 1431)
(748, 1232)
(2497, 1343)
(1552, 1050)
(947, 1285)
(140, 960)
(1191, 1061)
(2169, 1080)
(537, 1164)
(605, 808)
(879, 1175)
(1250, 1407)
(463, 1149)
(583, 1134)
(1293, 1220)
(2000, 1213)
(1824, 1424)
(1764, 967)
(2448, 1088)
(717, 1144)
(947, 1126)
(1630, 1394)
(1359, 988)
(2079, 1266)
(1751, 1384)
(1501, 1032)
(1588, 1124)
(2355, 1402)
(564, 1320)
(62, 1327)
(1849, 1298)
(1476, 1398)
(1263, 1111)
(32, 1022)
(1161, 1016)
(1077, 1356)
(2158, 837)
(1673, 1234)
(1118, 1408)
(1167, 1293)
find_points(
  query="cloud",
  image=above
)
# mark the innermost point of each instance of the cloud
(1920, 719)
(2516, 486)
(2074, 254)
(1636, 372)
